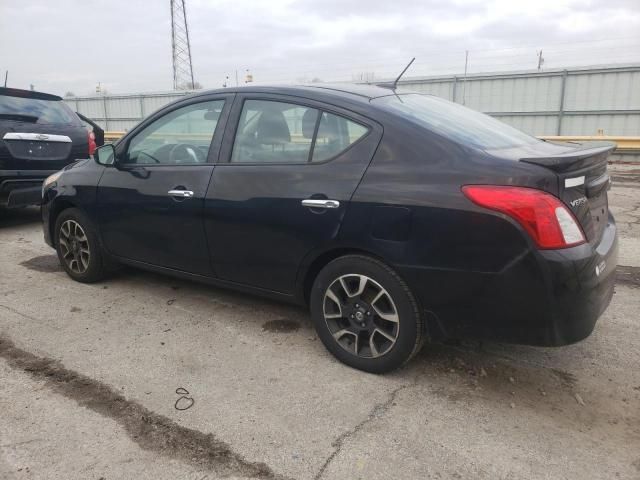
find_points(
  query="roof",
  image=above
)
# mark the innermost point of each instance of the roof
(354, 92)
(17, 92)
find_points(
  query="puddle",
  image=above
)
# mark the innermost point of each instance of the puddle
(43, 263)
(281, 325)
(628, 276)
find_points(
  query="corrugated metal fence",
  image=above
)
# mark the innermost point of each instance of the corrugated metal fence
(586, 101)
(558, 102)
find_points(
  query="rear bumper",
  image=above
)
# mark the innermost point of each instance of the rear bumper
(20, 188)
(544, 298)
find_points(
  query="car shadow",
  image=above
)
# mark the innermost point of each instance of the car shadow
(494, 365)
(478, 366)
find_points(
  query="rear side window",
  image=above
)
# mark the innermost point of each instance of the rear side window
(335, 134)
(454, 121)
(279, 132)
(32, 110)
(272, 132)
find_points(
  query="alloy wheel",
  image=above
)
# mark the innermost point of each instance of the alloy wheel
(361, 316)
(74, 246)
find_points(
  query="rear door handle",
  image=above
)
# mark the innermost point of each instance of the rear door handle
(180, 193)
(320, 203)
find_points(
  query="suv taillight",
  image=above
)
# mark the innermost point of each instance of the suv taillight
(92, 143)
(545, 218)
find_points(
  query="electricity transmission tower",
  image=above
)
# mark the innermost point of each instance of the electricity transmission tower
(182, 69)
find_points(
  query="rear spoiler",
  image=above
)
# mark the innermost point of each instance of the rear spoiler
(584, 155)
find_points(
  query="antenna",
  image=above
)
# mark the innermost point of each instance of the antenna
(182, 69)
(395, 82)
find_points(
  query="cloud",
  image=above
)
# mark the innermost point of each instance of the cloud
(73, 45)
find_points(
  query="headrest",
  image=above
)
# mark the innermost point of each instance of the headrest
(272, 128)
(309, 123)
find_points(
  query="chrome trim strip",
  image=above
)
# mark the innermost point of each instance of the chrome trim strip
(37, 137)
(573, 182)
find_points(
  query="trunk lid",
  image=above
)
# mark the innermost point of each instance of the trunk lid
(583, 180)
(38, 131)
(31, 146)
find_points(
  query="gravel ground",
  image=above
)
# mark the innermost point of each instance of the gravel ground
(89, 376)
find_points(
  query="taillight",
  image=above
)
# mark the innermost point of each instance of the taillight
(92, 143)
(543, 216)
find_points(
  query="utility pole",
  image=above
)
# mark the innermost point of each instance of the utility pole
(181, 48)
(464, 80)
(540, 60)
(6, 75)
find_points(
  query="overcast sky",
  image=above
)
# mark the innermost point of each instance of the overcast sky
(71, 45)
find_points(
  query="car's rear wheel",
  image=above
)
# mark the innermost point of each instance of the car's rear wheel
(78, 247)
(365, 314)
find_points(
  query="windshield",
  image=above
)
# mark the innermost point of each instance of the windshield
(456, 122)
(36, 111)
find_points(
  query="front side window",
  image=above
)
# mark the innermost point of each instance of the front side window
(278, 132)
(182, 136)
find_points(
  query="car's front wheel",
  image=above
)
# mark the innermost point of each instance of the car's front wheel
(365, 314)
(78, 247)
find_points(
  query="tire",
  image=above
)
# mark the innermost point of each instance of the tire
(83, 260)
(351, 314)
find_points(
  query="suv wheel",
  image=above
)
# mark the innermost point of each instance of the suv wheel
(365, 314)
(78, 247)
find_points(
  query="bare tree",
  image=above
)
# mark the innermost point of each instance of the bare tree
(190, 86)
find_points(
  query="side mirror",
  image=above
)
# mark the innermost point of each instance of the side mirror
(105, 155)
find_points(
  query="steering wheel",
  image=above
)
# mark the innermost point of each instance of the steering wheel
(186, 153)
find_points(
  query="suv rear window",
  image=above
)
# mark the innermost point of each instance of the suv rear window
(456, 122)
(33, 110)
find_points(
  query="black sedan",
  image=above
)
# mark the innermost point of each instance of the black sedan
(397, 218)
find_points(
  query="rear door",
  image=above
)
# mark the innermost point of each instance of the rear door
(289, 169)
(151, 202)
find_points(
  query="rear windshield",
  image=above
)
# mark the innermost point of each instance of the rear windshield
(456, 122)
(51, 112)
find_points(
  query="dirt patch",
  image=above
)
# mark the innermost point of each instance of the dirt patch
(281, 325)
(43, 263)
(148, 429)
(628, 276)
(568, 379)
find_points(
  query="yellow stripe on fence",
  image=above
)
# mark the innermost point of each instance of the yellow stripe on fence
(624, 144)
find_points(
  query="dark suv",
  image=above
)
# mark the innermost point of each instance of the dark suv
(39, 135)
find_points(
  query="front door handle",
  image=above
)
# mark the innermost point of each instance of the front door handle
(180, 193)
(320, 203)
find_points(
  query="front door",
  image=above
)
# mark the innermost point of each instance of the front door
(291, 168)
(151, 203)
